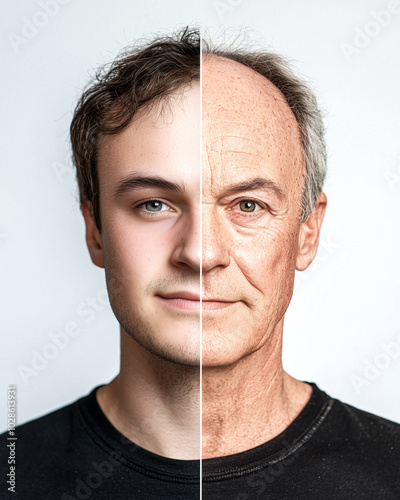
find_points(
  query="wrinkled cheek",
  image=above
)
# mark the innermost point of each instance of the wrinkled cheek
(269, 266)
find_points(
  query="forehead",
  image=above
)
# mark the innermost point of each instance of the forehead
(162, 140)
(248, 128)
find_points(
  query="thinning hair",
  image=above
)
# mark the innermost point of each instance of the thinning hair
(303, 103)
(152, 71)
(142, 75)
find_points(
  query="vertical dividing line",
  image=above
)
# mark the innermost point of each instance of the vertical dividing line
(201, 270)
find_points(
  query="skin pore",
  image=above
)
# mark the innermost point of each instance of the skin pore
(253, 176)
(149, 245)
(252, 242)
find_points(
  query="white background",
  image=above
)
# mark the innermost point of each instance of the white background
(345, 308)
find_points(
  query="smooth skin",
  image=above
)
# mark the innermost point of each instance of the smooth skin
(149, 245)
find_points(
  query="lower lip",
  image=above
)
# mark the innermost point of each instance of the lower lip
(185, 304)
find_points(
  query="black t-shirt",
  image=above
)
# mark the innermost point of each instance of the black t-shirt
(330, 451)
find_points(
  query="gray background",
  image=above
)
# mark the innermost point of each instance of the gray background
(344, 317)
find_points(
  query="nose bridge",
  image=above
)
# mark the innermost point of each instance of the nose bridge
(215, 239)
(188, 250)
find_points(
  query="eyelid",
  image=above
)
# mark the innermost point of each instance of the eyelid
(141, 203)
(261, 205)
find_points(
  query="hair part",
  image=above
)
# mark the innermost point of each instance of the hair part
(141, 76)
(303, 103)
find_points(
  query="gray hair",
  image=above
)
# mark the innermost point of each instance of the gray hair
(303, 103)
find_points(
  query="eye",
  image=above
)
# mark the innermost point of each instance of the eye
(155, 206)
(150, 207)
(247, 206)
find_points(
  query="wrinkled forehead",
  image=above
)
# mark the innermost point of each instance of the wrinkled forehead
(246, 119)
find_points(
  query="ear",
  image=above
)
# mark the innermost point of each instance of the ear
(309, 234)
(93, 236)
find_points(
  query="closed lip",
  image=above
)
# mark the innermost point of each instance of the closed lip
(219, 300)
(187, 295)
(184, 294)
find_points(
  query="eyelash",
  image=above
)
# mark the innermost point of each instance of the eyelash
(256, 212)
(152, 214)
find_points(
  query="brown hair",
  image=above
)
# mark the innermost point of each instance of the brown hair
(142, 74)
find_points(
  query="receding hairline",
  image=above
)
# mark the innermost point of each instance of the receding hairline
(247, 72)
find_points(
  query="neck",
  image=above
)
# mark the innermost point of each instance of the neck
(154, 403)
(251, 402)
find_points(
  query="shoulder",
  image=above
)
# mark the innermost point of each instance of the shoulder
(367, 425)
(372, 438)
(48, 434)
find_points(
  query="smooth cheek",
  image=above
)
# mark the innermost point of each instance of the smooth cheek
(135, 252)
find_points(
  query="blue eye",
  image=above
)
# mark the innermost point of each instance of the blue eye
(153, 206)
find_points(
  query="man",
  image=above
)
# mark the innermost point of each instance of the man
(264, 165)
(136, 146)
(264, 434)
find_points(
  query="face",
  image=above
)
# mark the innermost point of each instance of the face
(252, 188)
(149, 176)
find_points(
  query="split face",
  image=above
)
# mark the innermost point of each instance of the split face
(200, 205)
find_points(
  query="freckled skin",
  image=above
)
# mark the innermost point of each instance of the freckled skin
(249, 131)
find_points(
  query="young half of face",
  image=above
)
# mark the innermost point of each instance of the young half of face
(149, 177)
(252, 184)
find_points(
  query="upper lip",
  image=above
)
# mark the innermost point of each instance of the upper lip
(184, 294)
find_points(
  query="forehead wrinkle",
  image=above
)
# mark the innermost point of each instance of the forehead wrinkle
(247, 115)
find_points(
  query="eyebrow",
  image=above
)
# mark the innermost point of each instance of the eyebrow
(256, 183)
(135, 181)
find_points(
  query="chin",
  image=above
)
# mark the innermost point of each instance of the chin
(180, 346)
(219, 352)
(178, 355)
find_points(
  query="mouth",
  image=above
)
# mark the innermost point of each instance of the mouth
(211, 305)
(186, 300)
(190, 301)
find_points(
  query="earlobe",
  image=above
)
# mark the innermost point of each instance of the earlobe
(309, 234)
(93, 236)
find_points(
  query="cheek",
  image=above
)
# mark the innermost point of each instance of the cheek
(268, 258)
(134, 252)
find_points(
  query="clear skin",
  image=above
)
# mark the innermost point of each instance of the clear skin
(149, 245)
(252, 242)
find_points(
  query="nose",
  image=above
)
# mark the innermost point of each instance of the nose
(215, 241)
(187, 252)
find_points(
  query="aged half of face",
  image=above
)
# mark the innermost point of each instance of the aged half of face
(149, 176)
(253, 176)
